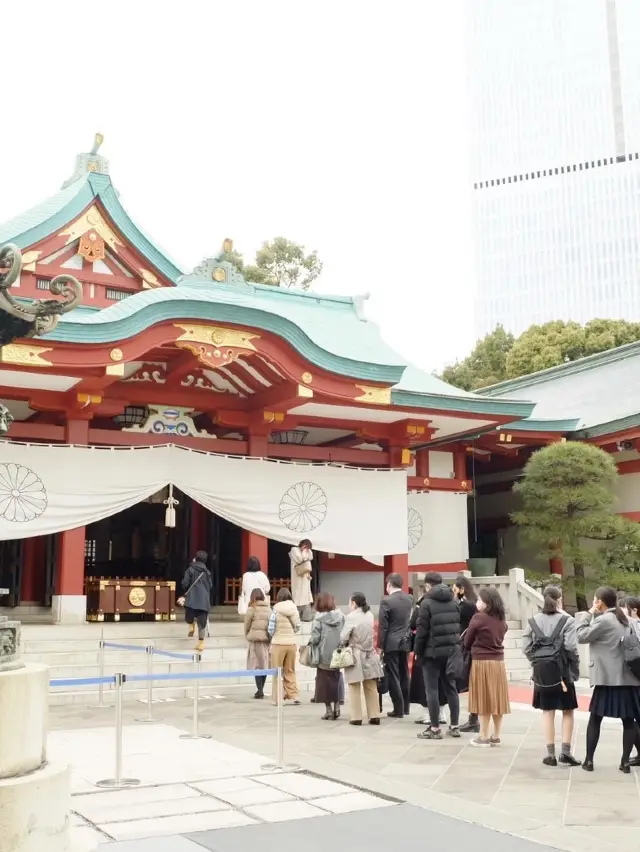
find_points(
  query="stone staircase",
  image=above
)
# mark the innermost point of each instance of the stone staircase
(73, 652)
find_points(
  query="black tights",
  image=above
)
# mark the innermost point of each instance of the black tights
(629, 734)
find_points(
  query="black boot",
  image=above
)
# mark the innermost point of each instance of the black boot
(336, 710)
(328, 712)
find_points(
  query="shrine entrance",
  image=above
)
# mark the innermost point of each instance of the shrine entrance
(136, 544)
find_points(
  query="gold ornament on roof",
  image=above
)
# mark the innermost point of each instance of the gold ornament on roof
(219, 274)
(227, 246)
(116, 354)
(98, 139)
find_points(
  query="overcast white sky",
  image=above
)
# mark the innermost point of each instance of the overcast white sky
(340, 124)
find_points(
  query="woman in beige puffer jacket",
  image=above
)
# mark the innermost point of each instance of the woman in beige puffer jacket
(284, 646)
(256, 623)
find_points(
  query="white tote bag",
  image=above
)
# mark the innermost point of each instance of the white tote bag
(242, 604)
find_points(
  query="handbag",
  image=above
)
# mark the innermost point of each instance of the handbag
(383, 682)
(631, 652)
(309, 656)
(342, 658)
(455, 665)
(242, 604)
(182, 599)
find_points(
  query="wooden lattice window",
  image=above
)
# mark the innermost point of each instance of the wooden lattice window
(116, 295)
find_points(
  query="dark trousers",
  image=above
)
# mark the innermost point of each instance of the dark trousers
(260, 682)
(435, 671)
(397, 666)
(200, 616)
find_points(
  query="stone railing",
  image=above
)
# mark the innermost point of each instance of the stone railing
(521, 600)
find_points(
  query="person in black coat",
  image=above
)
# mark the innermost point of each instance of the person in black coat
(465, 594)
(393, 632)
(417, 691)
(196, 584)
(437, 637)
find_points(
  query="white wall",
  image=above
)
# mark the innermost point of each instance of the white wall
(342, 584)
(440, 465)
(628, 493)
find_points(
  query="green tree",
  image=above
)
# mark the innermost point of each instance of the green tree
(486, 365)
(279, 262)
(568, 500)
(553, 343)
(499, 356)
(285, 264)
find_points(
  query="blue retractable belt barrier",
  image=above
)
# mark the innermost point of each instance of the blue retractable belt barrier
(201, 675)
(80, 681)
(173, 654)
(124, 647)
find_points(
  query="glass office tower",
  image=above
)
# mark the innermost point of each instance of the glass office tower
(554, 105)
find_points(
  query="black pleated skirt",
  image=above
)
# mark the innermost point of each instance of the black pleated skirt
(616, 702)
(555, 699)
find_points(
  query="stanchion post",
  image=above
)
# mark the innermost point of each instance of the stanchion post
(280, 720)
(149, 649)
(101, 665)
(118, 780)
(280, 764)
(195, 722)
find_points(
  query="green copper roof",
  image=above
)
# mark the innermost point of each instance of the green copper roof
(598, 393)
(56, 212)
(331, 332)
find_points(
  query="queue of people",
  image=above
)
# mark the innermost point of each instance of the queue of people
(457, 640)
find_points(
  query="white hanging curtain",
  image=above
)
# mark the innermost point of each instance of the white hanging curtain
(50, 488)
(436, 524)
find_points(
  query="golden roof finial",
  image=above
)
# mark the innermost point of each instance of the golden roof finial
(97, 142)
(227, 246)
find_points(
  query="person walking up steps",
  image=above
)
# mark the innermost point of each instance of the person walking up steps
(196, 584)
(616, 692)
(551, 646)
(437, 637)
(488, 687)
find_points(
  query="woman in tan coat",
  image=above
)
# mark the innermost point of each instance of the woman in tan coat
(358, 634)
(256, 624)
(286, 623)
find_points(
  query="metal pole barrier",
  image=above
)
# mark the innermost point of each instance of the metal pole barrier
(118, 780)
(195, 735)
(101, 664)
(280, 764)
(280, 719)
(149, 649)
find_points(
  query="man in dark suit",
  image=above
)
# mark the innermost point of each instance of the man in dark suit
(393, 628)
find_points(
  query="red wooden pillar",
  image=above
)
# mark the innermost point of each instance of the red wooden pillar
(69, 603)
(255, 545)
(398, 563)
(460, 465)
(422, 464)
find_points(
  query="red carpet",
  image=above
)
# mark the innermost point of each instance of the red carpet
(523, 694)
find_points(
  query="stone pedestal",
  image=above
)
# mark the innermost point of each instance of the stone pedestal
(35, 796)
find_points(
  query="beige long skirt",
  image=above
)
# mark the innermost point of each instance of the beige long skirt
(488, 688)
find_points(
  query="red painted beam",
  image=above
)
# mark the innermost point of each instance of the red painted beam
(632, 466)
(118, 438)
(24, 430)
(360, 458)
(431, 483)
(281, 398)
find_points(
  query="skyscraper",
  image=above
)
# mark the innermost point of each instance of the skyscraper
(554, 105)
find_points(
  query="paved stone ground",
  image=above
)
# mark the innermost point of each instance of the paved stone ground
(506, 789)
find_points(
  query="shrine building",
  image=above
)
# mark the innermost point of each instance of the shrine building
(173, 411)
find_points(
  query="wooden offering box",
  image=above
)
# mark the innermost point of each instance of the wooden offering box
(116, 597)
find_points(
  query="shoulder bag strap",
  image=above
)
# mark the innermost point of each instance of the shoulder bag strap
(195, 582)
(535, 629)
(558, 628)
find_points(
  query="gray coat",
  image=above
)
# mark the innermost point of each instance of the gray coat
(325, 635)
(547, 624)
(199, 597)
(603, 634)
(358, 634)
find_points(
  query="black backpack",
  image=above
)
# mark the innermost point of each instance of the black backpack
(548, 657)
(631, 652)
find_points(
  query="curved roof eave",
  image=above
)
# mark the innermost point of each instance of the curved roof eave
(62, 208)
(123, 321)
